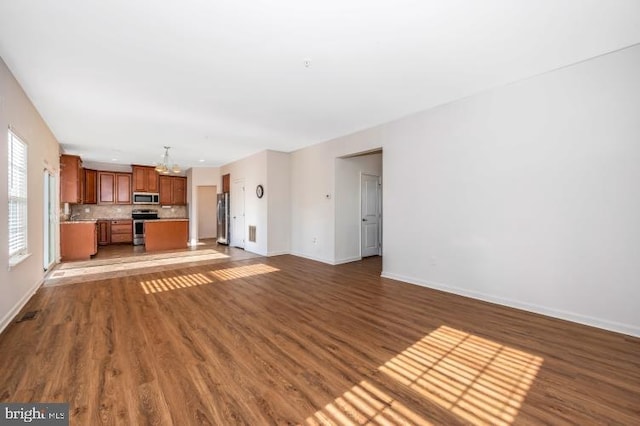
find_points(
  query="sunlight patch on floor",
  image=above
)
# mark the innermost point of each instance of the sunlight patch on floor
(478, 380)
(137, 264)
(363, 404)
(176, 282)
(242, 271)
(173, 283)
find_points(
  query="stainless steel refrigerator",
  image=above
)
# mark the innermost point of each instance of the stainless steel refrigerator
(223, 218)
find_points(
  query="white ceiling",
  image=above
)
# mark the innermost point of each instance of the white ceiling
(220, 80)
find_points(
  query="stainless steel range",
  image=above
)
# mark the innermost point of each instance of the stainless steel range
(139, 216)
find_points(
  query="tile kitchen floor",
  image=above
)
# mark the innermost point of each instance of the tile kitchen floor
(122, 260)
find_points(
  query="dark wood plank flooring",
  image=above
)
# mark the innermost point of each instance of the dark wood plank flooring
(285, 340)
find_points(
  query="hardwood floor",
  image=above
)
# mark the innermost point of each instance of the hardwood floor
(284, 340)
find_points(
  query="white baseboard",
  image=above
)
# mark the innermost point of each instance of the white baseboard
(551, 312)
(6, 320)
(277, 253)
(327, 261)
(347, 260)
(317, 259)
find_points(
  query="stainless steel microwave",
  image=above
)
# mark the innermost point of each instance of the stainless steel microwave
(146, 198)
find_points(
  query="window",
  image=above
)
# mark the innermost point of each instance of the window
(17, 199)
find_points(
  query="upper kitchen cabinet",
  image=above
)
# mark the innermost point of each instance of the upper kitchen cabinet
(226, 183)
(145, 179)
(114, 188)
(123, 188)
(173, 190)
(70, 175)
(90, 186)
(179, 190)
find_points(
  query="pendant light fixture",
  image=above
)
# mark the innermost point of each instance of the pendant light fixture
(167, 166)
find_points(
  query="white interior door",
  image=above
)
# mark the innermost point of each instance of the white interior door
(237, 213)
(370, 215)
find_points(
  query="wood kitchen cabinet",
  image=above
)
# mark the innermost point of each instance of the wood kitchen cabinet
(78, 240)
(166, 192)
(70, 175)
(104, 232)
(90, 186)
(173, 190)
(166, 234)
(179, 190)
(121, 231)
(145, 179)
(123, 188)
(226, 183)
(114, 188)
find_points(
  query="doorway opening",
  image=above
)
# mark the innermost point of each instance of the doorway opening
(206, 206)
(371, 215)
(358, 204)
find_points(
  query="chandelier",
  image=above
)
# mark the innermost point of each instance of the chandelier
(167, 166)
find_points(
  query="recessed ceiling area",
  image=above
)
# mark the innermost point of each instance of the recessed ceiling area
(218, 81)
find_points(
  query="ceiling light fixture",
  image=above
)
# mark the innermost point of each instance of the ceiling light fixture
(167, 166)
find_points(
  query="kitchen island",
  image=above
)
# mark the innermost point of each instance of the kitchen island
(166, 234)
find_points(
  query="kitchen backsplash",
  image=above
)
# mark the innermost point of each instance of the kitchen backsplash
(123, 211)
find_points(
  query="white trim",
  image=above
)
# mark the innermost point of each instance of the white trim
(329, 262)
(17, 259)
(6, 320)
(277, 253)
(347, 259)
(556, 313)
(317, 259)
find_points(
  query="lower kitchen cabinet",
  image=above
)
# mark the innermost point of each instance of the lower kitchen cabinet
(78, 240)
(121, 231)
(104, 232)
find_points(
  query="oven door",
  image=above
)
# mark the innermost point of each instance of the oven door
(138, 232)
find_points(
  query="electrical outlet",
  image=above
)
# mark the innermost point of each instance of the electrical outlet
(314, 240)
(87, 210)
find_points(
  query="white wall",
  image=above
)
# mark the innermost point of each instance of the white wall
(278, 196)
(348, 207)
(253, 170)
(525, 195)
(17, 111)
(313, 193)
(207, 211)
(199, 176)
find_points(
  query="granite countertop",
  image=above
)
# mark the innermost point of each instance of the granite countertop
(171, 219)
(78, 221)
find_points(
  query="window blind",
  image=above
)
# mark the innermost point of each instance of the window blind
(17, 169)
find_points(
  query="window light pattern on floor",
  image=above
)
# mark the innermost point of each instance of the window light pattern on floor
(480, 381)
(363, 404)
(176, 282)
(242, 271)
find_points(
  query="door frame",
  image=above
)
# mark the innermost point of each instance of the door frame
(379, 211)
(242, 195)
(49, 220)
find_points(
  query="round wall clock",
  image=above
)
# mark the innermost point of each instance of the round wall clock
(259, 191)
